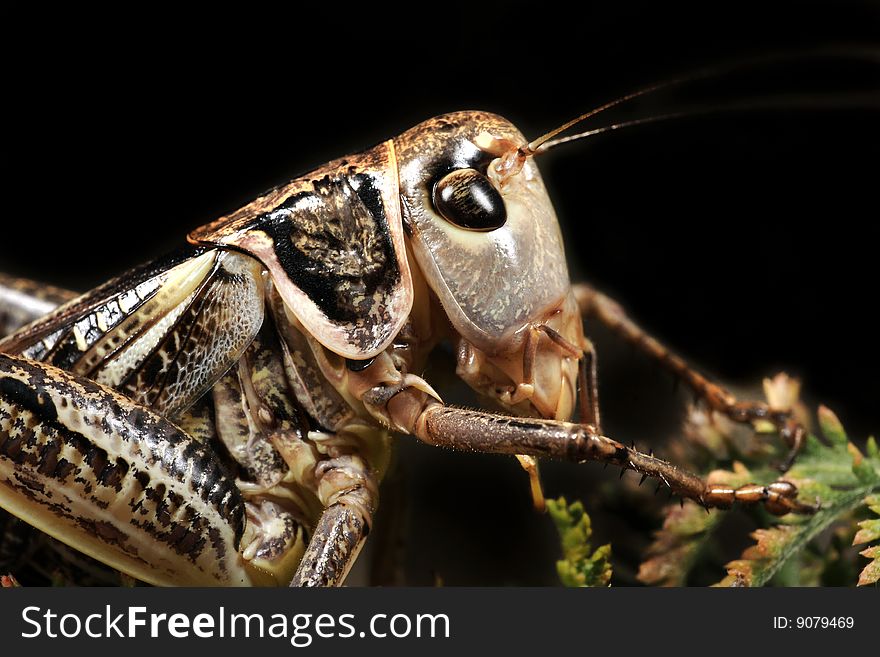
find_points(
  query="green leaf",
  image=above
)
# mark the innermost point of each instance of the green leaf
(839, 477)
(677, 545)
(836, 475)
(685, 535)
(688, 532)
(831, 427)
(870, 531)
(873, 503)
(871, 573)
(872, 449)
(580, 565)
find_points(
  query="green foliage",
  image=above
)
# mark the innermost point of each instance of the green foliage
(580, 565)
(838, 476)
(793, 550)
(686, 533)
(870, 531)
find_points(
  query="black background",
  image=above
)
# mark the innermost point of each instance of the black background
(746, 241)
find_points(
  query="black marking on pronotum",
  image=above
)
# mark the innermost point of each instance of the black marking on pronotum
(328, 267)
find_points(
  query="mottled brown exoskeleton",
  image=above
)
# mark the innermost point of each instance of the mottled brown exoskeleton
(224, 415)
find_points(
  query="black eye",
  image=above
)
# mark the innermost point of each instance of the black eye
(466, 198)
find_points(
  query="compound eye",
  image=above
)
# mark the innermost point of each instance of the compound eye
(466, 198)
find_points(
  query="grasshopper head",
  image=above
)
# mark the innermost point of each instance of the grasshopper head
(488, 243)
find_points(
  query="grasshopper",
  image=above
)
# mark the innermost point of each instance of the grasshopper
(225, 415)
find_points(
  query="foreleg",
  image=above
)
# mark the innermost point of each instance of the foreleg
(299, 482)
(472, 430)
(349, 493)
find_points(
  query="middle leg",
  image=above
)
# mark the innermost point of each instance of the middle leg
(594, 304)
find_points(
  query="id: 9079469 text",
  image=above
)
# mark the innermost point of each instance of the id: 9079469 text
(813, 622)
